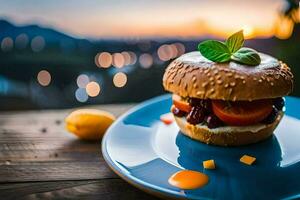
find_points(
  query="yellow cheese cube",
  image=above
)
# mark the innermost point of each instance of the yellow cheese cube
(209, 164)
(248, 160)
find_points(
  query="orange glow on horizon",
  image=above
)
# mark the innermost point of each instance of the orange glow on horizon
(133, 19)
(248, 31)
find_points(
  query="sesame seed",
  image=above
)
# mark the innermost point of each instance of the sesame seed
(212, 90)
(216, 71)
(260, 80)
(185, 86)
(211, 83)
(194, 79)
(229, 74)
(244, 81)
(219, 82)
(226, 85)
(195, 85)
(272, 83)
(204, 84)
(198, 93)
(254, 79)
(218, 77)
(232, 84)
(236, 76)
(208, 74)
(211, 78)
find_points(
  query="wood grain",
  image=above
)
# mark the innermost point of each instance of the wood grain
(108, 189)
(39, 159)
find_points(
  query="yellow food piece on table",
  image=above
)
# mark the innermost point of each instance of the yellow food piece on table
(209, 164)
(89, 124)
(248, 160)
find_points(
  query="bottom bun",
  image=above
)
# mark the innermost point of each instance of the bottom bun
(228, 135)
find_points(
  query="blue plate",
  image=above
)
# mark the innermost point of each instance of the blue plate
(145, 152)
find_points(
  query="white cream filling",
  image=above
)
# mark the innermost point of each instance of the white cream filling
(252, 128)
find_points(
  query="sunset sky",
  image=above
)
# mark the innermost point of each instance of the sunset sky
(146, 18)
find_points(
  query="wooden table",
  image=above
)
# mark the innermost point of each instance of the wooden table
(39, 159)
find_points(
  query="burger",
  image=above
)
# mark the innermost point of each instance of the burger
(228, 101)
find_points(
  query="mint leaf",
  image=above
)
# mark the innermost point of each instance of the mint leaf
(235, 41)
(214, 50)
(246, 56)
(230, 50)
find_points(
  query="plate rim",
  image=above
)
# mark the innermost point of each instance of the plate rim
(140, 184)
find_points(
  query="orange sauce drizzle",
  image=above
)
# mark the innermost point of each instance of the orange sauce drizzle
(188, 179)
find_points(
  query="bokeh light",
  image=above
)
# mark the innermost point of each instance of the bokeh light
(180, 48)
(120, 79)
(7, 44)
(146, 60)
(127, 58)
(81, 95)
(44, 78)
(118, 60)
(169, 51)
(82, 80)
(21, 41)
(174, 51)
(93, 89)
(133, 57)
(37, 44)
(164, 52)
(96, 60)
(283, 27)
(105, 59)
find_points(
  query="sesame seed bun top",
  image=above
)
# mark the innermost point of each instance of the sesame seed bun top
(192, 75)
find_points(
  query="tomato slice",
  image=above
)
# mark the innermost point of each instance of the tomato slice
(242, 113)
(180, 104)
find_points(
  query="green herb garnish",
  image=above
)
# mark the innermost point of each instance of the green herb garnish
(247, 56)
(231, 49)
